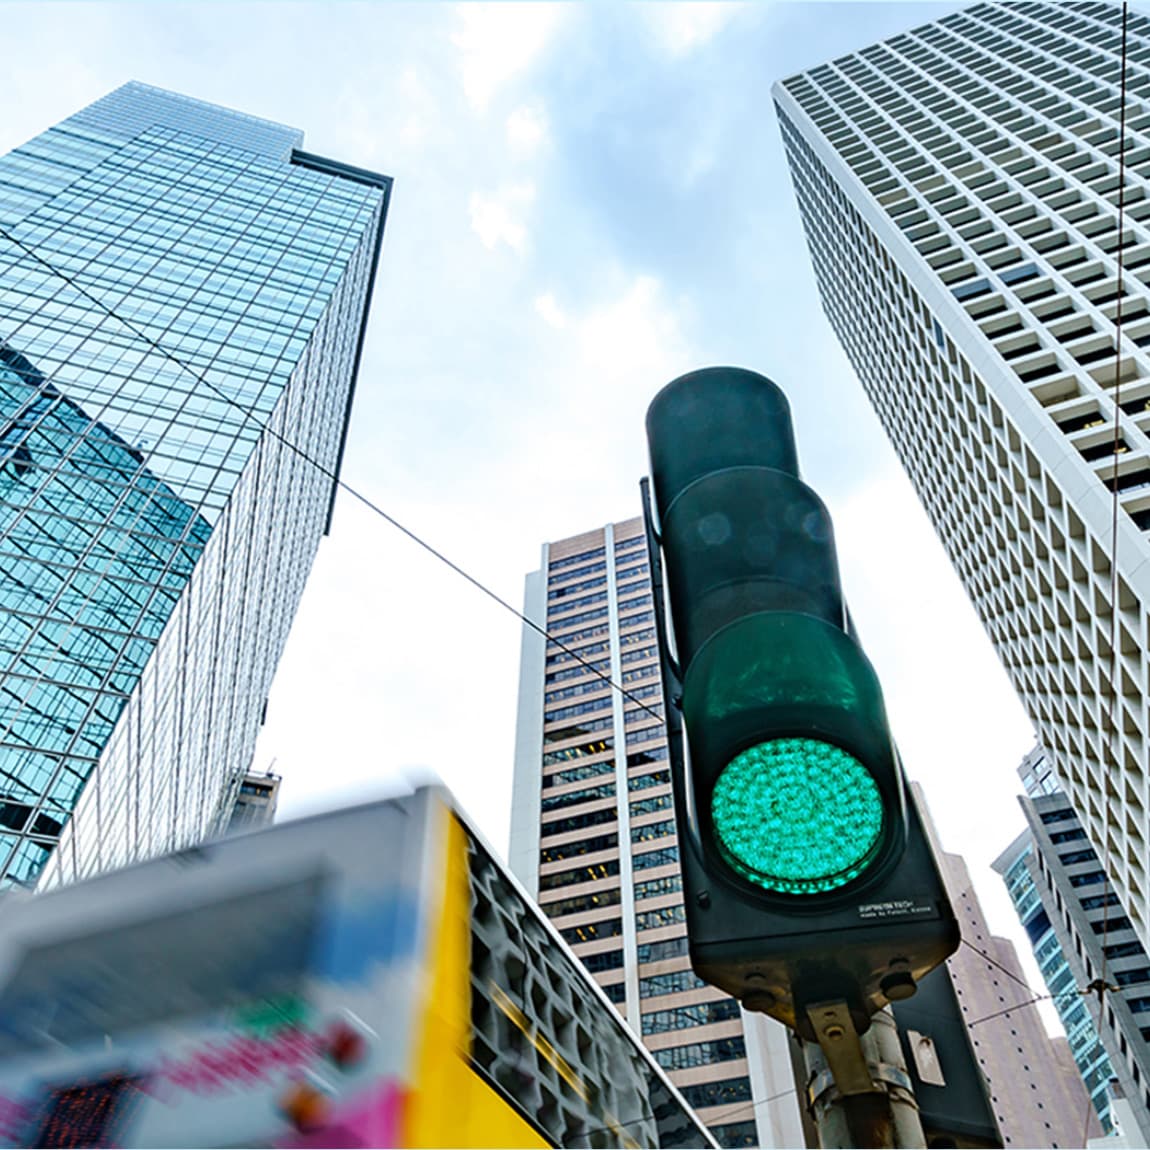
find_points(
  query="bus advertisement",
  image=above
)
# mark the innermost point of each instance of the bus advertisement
(364, 978)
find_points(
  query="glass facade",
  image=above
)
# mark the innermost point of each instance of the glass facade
(182, 294)
(1085, 1046)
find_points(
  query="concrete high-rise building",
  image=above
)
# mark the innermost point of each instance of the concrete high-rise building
(183, 294)
(593, 834)
(1036, 1095)
(1080, 933)
(255, 804)
(959, 186)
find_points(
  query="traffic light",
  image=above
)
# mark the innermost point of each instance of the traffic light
(807, 873)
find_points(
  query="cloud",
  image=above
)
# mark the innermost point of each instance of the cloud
(549, 310)
(497, 217)
(527, 128)
(681, 29)
(497, 42)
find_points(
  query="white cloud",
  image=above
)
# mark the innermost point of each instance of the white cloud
(550, 311)
(637, 335)
(418, 107)
(496, 42)
(606, 362)
(682, 28)
(498, 217)
(526, 128)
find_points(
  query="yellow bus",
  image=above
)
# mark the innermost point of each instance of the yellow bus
(373, 976)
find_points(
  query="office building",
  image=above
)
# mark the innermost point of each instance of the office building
(959, 185)
(593, 833)
(255, 804)
(183, 293)
(1080, 933)
(1035, 1093)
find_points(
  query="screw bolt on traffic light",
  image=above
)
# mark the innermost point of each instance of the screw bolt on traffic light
(808, 875)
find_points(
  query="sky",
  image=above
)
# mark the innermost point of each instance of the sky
(589, 200)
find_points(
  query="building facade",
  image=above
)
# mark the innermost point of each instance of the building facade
(183, 294)
(593, 833)
(959, 186)
(1036, 1095)
(1080, 933)
(255, 804)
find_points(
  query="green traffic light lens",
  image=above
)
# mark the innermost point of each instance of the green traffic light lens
(797, 815)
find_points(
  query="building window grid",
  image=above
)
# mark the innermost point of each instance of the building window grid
(1063, 581)
(942, 226)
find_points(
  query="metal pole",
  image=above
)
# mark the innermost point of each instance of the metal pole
(885, 1117)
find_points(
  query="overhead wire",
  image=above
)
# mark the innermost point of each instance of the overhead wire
(413, 536)
(1100, 986)
(328, 473)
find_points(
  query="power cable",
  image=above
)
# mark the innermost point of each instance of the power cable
(993, 962)
(249, 417)
(1110, 737)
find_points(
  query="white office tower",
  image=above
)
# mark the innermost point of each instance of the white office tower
(959, 185)
(594, 840)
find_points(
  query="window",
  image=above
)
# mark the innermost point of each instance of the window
(653, 831)
(593, 931)
(608, 960)
(578, 822)
(655, 779)
(673, 983)
(654, 887)
(1091, 878)
(698, 1014)
(1059, 816)
(670, 948)
(1110, 925)
(583, 902)
(1094, 901)
(573, 798)
(1130, 977)
(616, 992)
(579, 874)
(572, 560)
(649, 806)
(1072, 857)
(719, 1093)
(971, 289)
(731, 1135)
(665, 916)
(577, 709)
(573, 850)
(700, 1053)
(574, 774)
(660, 857)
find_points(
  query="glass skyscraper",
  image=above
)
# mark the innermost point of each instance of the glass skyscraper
(183, 294)
(1079, 931)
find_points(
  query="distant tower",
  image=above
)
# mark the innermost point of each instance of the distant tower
(1035, 1092)
(1079, 932)
(593, 834)
(183, 294)
(255, 805)
(959, 186)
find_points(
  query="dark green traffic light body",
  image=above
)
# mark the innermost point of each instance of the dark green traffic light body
(807, 873)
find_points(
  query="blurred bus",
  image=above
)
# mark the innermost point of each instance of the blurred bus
(368, 977)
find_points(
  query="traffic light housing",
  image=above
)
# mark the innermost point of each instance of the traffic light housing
(807, 873)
